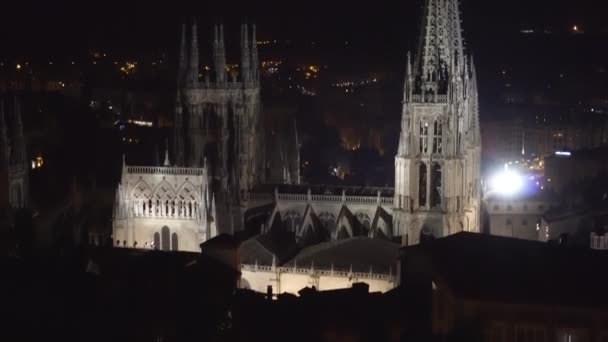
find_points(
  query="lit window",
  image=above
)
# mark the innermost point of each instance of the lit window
(424, 135)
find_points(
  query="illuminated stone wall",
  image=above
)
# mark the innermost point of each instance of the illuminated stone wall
(291, 280)
(166, 208)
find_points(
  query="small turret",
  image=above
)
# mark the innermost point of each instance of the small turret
(167, 162)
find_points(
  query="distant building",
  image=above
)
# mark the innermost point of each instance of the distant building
(573, 226)
(523, 135)
(517, 216)
(575, 169)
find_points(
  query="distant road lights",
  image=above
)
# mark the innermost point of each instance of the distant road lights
(507, 182)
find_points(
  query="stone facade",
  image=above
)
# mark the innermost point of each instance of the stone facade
(293, 279)
(517, 217)
(167, 208)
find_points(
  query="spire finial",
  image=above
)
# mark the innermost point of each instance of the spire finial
(167, 163)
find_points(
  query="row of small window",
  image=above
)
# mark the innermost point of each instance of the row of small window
(525, 207)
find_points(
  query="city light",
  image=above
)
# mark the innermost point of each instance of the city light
(562, 153)
(506, 182)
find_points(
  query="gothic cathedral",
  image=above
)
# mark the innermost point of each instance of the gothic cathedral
(437, 167)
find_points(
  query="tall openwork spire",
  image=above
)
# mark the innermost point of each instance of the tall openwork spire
(245, 54)
(255, 68)
(437, 168)
(193, 61)
(219, 53)
(181, 69)
(441, 44)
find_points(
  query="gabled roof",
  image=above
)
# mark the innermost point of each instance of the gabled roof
(347, 220)
(311, 232)
(383, 215)
(485, 267)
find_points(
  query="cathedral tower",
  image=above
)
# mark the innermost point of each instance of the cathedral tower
(218, 119)
(437, 167)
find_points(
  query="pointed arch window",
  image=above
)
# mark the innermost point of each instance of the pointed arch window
(424, 136)
(437, 136)
(422, 176)
(174, 241)
(164, 237)
(436, 186)
(156, 241)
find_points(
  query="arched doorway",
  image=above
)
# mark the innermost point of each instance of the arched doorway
(174, 246)
(156, 241)
(165, 236)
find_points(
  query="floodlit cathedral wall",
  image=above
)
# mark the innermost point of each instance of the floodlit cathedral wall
(291, 280)
(167, 208)
(337, 216)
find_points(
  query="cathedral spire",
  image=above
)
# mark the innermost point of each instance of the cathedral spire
(441, 43)
(219, 53)
(245, 55)
(181, 70)
(193, 61)
(179, 130)
(255, 68)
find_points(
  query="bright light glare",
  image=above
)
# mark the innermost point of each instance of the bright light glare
(507, 182)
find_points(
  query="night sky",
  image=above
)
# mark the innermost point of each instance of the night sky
(63, 27)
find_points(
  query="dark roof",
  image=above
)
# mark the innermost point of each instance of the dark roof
(221, 241)
(479, 266)
(362, 253)
(262, 248)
